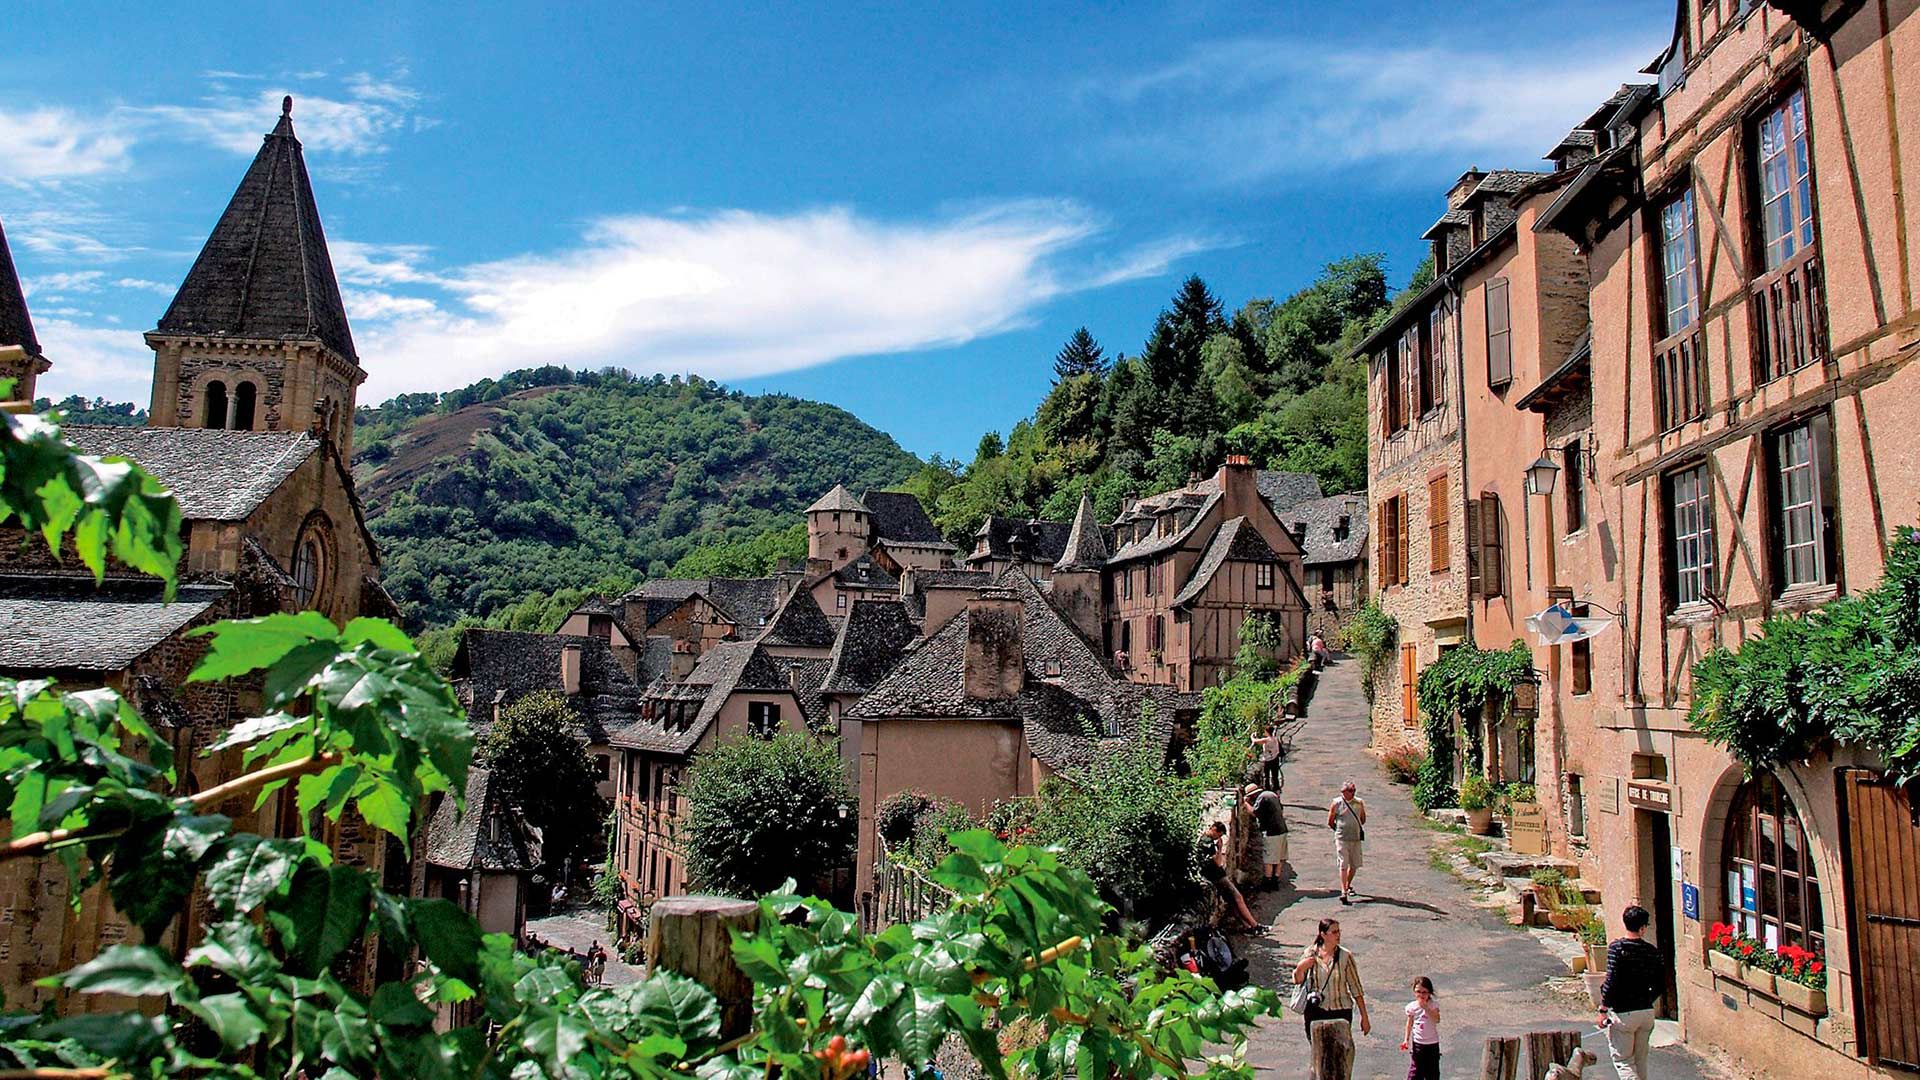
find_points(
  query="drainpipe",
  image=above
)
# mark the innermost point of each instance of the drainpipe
(1460, 413)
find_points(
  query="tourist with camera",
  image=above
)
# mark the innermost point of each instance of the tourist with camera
(1327, 982)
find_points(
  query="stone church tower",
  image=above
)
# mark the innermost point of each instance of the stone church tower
(20, 357)
(256, 339)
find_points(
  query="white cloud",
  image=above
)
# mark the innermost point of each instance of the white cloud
(730, 294)
(95, 361)
(50, 285)
(144, 285)
(1258, 109)
(371, 305)
(52, 144)
(357, 125)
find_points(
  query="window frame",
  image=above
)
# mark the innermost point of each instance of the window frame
(1688, 585)
(1819, 504)
(1499, 341)
(1669, 269)
(1798, 196)
(1759, 802)
(1573, 460)
(1580, 660)
(1263, 577)
(763, 719)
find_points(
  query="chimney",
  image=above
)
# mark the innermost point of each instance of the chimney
(570, 667)
(1237, 478)
(996, 659)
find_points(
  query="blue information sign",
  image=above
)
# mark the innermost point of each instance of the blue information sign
(1690, 900)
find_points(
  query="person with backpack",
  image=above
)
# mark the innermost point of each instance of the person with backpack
(1270, 812)
(1347, 817)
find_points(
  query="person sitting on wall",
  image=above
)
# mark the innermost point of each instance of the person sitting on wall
(1212, 852)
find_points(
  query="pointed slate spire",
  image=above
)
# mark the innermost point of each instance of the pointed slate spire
(265, 272)
(1086, 544)
(16, 326)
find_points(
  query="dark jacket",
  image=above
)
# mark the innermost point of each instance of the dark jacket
(1636, 976)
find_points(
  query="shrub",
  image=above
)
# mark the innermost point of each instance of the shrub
(1229, 715)
(1548, 880)
(1593, 931)
(1260, 640)
(1130, 825)
(1475, 793)
(763, 811)
(897, 814)
(928, 844)
(1403, 762)
(1369, 636)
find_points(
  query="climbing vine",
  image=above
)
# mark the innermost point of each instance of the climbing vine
(1848, 672)
(1369, 636)
(1460, 683)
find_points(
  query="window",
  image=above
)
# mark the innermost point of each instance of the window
(243, 406)
(1156, 634)
(1053, 668)
(1393, 366)
(1263, 575)
(1773, 890)
(763, 718)
(1409, 680)
(1390, 547)
(839, 601)
(1679, 264)
(1786, 182)
(1126, 584)
(1147, 576)
(1430, 366)
(1439, 543)
(603, 766)
(1802, 525)
(1573, 465)
(1499, 334)
(1580, 659)
(1576, 807)
(1126, 637)
(1492, 564)
(310, 567)
(215, 415)
(1690, 536)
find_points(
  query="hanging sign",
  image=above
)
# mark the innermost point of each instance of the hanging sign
(1650, 795)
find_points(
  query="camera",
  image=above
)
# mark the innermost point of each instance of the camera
(1314, 998)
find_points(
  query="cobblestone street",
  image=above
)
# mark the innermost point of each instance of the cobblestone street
(576, 929)
(1408, 919)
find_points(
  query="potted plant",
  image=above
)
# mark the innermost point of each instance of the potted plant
(1801, 980)
(1476, 798)
(1756, 965)
(1722, 956)
(1572, 912)
(1593, 935)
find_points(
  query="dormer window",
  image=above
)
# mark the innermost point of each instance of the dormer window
(1053, 669)
(1341, 528)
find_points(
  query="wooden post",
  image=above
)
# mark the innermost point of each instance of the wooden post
(688, 935)
(1332, 1050)
(1546, 1049)
(1500, 1060)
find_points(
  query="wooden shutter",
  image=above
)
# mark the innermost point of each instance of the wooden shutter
(1474, 558)
(1409, 680)
(1380, 563)
(1499, 335)
(1400, 537)
(1883, 850)
(1439, 537)
(1492, 551)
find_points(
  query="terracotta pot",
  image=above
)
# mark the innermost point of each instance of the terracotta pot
(1597, 957)
(1565, 920)
(1480, 822)
(1758, 979)
(1803, 998)
(1722, 964)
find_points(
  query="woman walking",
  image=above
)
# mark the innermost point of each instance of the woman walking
(1330, 972)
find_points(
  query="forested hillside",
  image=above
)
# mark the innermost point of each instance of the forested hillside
(549, 479)
(1273, 380)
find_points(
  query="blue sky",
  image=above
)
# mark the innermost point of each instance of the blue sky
(901, 211)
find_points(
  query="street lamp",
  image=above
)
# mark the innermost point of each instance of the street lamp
(1541, 476)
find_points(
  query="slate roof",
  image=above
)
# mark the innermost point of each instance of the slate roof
(506, 665)
(1234, 540)
(655, 660)
(952, 579)
(1452, 219)
(1031, 540)
(265, 271)
(16, 324)
(456, 840)
(49, 622)
(799, 622)
(1504, 182)
(864, 573)
(838, 498)
(1069, 719)
(872, 639)
(898, 516)
(1086, 545)
(1320, 519)
(749, 602)
(723, 670)
(214, 475)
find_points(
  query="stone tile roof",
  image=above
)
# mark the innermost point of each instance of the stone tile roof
(1086, 545)
(458, 841)
(839, 498)
(725, 669)
(1504, 182)
(1235, 539)
(1156, 543)
(655, 659)
(799, 622)
(265, 271)
(1069, 717)
(50, 622)
(1031, 540)
(872, 639)
(898, 516)
(864, 573)
(1452, 219)
(16, 324)
(1320, 520)
(952, 579)
(749, 602)
(214, 475)
(504, 666)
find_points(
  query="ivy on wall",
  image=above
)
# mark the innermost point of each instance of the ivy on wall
(1369, 636)
(1459, 684)
(1847, 673)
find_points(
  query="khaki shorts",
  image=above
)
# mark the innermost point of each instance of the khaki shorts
(1274, 849)
(1347, 853)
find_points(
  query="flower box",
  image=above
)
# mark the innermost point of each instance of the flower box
(1758, 978)
(1802, 998)
(1723, 965)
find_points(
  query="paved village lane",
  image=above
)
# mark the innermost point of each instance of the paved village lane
(1408, 919)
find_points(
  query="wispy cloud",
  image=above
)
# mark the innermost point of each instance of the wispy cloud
(1258, 109)
(51, 144)
(729, 295)
(93, 360)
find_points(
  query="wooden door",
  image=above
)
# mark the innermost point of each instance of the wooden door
(1883, 869)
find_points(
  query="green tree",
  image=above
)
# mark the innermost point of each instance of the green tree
(1081, 355)
(536, 758)
(745, 558)
(1235, 383)
(764, 811)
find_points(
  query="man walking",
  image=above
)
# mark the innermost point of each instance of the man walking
(1347, 817)
(1636, 979)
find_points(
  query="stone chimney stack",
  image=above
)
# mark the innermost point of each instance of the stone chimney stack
(570, 667)
(996, 658)
(1239, 481)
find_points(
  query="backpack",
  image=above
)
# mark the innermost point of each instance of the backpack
(1217, 962)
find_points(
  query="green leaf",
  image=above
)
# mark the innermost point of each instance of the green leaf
(133, 970)
(336, 1030)
(448, 935)
(376, 632)
(122, 1036)
(231, 1017)
(255, 728)
(395, 1005)
(670, 1002)
(241, 646)
(386, 808)
(246, 868)
(321, 914)
(555, 1039)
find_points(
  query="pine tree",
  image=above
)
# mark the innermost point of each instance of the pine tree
(1173, 350)
(1080, 356)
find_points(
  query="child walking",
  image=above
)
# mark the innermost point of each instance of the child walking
(1422, 1039)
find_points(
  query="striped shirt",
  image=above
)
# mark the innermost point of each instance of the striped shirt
(1636, 976)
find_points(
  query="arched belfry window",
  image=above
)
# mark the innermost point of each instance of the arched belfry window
(243, 406)
(1773, 888)
(215, 415)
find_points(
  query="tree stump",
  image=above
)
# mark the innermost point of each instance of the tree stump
(1332, 1050)
(688, 935)
(1546, 1049)
(1500, 1060)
